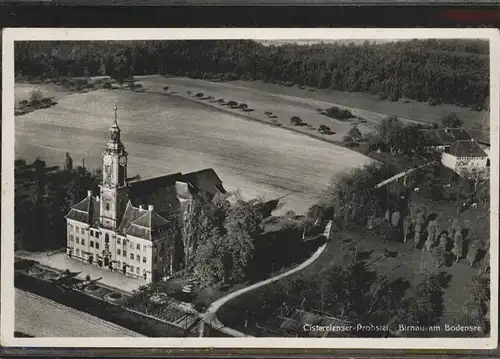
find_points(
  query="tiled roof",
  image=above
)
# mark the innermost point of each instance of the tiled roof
(145, 224)
(444, 136)
(205, 180)
(166, 191)
(482, 137)
(145, 187)
(466, 149)
(151, 219)
(86, 211)
(130, 215)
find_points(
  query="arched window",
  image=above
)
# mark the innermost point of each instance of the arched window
(106, 238)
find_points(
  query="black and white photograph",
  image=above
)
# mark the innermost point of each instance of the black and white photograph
(250, 188)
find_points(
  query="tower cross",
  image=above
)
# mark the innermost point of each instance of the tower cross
(116, 114)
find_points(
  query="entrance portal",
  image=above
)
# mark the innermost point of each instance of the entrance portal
(106, 261)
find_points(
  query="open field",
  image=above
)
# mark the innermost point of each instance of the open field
(41, 317)
(286, 102)
(164, 134)
(411, 110)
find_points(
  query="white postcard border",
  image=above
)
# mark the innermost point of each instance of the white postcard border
(75, 34)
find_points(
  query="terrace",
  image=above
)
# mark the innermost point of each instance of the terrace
(168, 310)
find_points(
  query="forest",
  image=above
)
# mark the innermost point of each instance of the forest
(434, 71)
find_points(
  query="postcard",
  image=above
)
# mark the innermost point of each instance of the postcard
(250, 188)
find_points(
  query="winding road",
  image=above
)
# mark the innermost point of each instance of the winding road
(210, 316)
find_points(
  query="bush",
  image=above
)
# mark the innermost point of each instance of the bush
(199, 95)
(323, 129)
(36, 97)
(338, 113)
(295, 120)
(165, 88)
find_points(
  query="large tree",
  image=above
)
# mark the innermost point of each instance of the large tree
(352, 196)
(228, 240)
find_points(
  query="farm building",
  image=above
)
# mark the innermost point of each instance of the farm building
(438, 140)
(459, 151)
(465, 156)
(130, 227)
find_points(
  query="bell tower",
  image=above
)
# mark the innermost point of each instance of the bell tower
(114, 178)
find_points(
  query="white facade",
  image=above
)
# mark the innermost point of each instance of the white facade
(464, 164)
(93, 233)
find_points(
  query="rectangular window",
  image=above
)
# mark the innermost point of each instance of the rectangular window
(118, 264)
(92, 233)
(125, 253)
(107, 206)
(118, 251)
(138, 270)
(144, 272)
(97, 234)
(131, 245)
(131, 269)
(77, 230)
(138, 258)
(144, 259)
(71, 238)
(91, 244)
(118, 240)
(131, 255)
(77, 252)
(138, 247)
(96, 245)
(83, 242)
(77, 240)
(144, 248)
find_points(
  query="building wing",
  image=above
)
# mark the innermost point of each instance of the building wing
(86, 211)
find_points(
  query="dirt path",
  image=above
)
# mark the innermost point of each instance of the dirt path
(211, 315)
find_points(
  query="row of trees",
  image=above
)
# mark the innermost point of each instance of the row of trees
(453, 71)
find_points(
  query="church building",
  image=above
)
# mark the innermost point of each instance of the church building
(130, 225)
